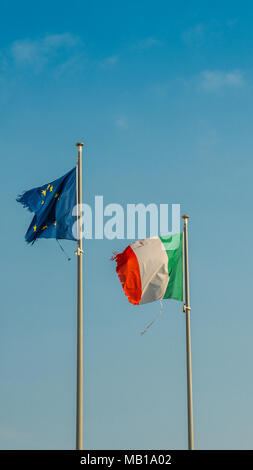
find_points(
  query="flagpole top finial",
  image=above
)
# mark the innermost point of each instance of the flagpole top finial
(185, 217)
(79, 144)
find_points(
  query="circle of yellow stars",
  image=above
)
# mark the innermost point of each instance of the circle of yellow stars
(44, 192)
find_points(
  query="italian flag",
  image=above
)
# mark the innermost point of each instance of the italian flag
(152, 269)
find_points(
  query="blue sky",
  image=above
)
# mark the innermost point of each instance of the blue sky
(161, 94)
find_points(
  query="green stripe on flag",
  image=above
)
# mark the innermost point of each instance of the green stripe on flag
(174, 249)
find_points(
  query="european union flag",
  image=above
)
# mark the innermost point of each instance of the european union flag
(52, 205)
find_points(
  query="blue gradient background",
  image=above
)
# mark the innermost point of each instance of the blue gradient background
(161, 94)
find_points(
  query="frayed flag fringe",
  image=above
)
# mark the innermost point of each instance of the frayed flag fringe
(114, 255)
(22, 201)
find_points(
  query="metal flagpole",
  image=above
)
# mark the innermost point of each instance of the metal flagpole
(79, 252)
(187, 310)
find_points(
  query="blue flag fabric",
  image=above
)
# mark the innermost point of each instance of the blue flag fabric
(52, 205)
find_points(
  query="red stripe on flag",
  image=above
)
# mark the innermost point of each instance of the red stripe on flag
(129, 274)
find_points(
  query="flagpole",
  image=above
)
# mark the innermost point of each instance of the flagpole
(187, 310)
(79, 252)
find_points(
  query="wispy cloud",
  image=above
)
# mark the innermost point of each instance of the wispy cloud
(194, 36)
(201, 34)
(35, 53)
(121, 123)
(232, 22)
(109, 62)
(147, 43)
(213, 80)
